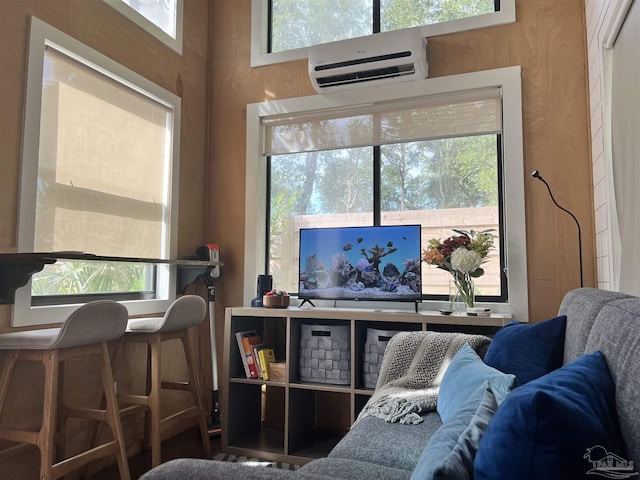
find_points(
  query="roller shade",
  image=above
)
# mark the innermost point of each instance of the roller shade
(430, 117)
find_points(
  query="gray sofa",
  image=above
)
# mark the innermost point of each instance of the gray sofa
(596, 320)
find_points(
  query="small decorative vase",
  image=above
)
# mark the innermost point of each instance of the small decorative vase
(461, 291)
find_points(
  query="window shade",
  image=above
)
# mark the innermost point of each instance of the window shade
(430, 117)
(104, 157)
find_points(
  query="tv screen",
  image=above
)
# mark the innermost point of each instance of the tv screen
(361, 263)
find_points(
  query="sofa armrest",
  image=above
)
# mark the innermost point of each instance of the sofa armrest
(198, 469)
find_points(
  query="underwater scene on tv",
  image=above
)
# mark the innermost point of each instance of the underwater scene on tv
(361, 263)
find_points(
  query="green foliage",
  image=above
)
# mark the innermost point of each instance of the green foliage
(76, 278)
(301, 23)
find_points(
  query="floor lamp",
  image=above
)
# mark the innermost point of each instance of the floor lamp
(536, 174)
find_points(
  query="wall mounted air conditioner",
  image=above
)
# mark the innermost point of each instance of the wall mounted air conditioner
(381, 58)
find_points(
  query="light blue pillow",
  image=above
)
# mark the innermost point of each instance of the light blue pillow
(464, 375)
(452, 448)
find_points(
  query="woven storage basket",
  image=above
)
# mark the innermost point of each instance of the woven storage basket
(325, 354)
(373, 352)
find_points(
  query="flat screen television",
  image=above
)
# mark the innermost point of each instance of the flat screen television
(361, 263)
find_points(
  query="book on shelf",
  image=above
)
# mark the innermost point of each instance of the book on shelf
(248, 343)
(255, 350)
(239, 337)
(266, 357)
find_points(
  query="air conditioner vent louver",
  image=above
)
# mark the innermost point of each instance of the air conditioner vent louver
(360, 61)
(382, 58)
(366, 75)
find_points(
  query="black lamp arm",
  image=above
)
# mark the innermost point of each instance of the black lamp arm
(536, 174)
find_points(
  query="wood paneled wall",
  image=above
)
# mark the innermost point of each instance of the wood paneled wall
(96, 24)
(548, 41)
(215, 81)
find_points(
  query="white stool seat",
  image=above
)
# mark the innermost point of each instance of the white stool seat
(144, 325)
(83, 334)
(185, 312)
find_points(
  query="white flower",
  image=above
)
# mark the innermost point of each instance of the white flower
(465, 261)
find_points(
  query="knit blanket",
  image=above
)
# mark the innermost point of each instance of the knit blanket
(410, 374)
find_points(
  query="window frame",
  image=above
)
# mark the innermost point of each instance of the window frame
(43, 36)
(260, 31)
(150, 27)
(507, 79)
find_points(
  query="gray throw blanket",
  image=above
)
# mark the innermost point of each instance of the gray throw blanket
(410, 374)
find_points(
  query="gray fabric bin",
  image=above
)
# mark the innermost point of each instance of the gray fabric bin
(325, 354)
(374, 348)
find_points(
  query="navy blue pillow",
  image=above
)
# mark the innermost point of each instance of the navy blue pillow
(528, 351)
(546, 428)
(452, 448)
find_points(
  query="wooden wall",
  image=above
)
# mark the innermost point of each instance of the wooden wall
(99, 26)
(548, 41)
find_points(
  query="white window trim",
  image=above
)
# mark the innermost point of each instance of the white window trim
(42, 34)
(152, 28)
(508, 79)
(611, 28)
(259, 31)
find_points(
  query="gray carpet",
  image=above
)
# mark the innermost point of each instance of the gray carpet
(255, 461)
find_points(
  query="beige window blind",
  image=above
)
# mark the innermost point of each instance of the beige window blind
(430, 117)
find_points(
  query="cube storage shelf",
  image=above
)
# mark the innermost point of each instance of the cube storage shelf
(296, 421)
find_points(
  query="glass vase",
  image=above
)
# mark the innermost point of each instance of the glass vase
(461, 292)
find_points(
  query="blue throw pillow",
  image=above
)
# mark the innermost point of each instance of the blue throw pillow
(528, 351)
(546, 428)
(452, 448)
(464, 375)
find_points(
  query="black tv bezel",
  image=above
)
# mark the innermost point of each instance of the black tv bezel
(404, 298)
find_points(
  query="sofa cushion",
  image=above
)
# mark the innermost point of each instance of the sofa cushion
(616, 332)
(581, 308)
(198, 469)
(392, 445)
(528, 351)
(464, 375)
(545, 428)
(452, 448)
(350, 469)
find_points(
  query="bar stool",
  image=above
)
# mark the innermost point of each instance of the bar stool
(85, 333)
(184, 313)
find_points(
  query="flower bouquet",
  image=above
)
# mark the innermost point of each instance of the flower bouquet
(461, 255)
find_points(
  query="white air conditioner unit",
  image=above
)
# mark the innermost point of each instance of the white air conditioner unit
(381, 58)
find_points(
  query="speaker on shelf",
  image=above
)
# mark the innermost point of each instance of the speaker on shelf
(265, 284)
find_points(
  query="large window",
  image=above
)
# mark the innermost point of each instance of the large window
(445, 153)
(283, 29)
(98, 176)
(161, 18)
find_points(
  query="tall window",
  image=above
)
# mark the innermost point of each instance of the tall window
(161, 18)
(434, 162)
(445, 153)
(283, 29)
(98, 176)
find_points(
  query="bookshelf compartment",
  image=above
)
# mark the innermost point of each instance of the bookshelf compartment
(365, 374)
(317, 421)
(303, 372)
(253, 411)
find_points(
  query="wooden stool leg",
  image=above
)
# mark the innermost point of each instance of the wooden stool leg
(196, 392)
(154, 399)
(7, 374)
(60, 444)
(112, 416)
(45, 438)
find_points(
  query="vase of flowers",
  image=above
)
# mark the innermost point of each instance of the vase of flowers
(462, 256)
